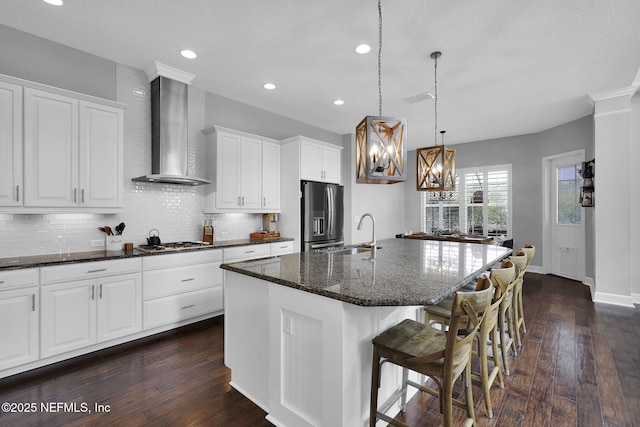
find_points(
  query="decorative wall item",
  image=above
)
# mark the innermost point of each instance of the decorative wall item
(587, 189)
(436, 164)
(381, 148)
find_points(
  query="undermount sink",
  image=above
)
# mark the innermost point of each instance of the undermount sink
(351, 250)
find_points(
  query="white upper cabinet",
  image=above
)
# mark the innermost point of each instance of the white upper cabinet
(244, 170)
(100, 150)
(72, 146)
(10, 144)
(270, 176)
(319, 161)
(51, 149)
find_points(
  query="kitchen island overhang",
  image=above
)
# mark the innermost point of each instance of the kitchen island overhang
(298, 328)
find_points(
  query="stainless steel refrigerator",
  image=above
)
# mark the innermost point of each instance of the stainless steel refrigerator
(322, 215)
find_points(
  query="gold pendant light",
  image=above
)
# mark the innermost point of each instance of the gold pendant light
(437, 164)
(381, 149)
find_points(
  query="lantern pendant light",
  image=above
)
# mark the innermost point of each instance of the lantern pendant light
(381, 149)
(437, 164)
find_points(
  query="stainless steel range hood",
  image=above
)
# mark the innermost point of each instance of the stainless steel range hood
(169, 139)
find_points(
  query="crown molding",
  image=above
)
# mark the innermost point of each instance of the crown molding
(158, 69)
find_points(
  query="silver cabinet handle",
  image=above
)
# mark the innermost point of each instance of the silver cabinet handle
(242, 200)
(100, 292)
(17, 193)
(187, 306)
(188, 280)
(33, 302)
(75, 195)
(249, 252)
(82, 195)
(97, 271)
(239, 200)
(93, 292)
(264, 201)
(1, 282)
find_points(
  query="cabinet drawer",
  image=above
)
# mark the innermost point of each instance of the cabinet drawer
(184, 258)
(177, 280)
(16, 279)
(88, 270)
(247, 252)
(280, 248)
(171, 309)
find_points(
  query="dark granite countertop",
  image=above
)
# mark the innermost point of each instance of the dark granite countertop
(32, 261)
(404, 273)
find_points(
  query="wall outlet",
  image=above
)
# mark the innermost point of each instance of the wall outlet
(287, 325)
(97, 243)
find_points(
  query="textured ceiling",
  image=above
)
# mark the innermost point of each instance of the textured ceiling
(509, 67)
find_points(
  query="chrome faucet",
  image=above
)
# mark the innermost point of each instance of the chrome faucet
(372, 244)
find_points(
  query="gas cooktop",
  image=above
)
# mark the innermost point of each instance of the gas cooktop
(173, 246)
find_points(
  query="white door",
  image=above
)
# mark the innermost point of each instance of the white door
(566, 217)
(119, 306)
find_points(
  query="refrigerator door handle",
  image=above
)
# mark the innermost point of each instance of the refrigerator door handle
(330, 200)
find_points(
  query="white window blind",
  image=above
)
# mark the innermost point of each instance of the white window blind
(482, 205)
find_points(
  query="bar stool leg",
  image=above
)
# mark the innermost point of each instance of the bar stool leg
(375, 385)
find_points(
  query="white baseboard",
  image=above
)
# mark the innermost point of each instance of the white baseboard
(536, 269)
(636, 298)
(615, 299)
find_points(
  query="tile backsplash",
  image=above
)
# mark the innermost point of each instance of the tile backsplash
(175, 211)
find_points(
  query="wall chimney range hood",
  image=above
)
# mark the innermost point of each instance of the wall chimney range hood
(169, 122)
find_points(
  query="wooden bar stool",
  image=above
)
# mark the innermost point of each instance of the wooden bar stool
(505, 278)
(487, 336)
(530, 250)
(442, 356)
(520, 260)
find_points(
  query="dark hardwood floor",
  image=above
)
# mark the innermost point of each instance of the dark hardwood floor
(579, 366)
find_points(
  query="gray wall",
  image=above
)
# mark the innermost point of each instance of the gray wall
(525, 153)
(232, 114)
(33, 58)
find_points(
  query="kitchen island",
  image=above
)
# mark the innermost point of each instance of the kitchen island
(298, 328)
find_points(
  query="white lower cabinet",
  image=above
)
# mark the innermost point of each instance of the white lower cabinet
(181, 286)
(79, 313)
(19, 309)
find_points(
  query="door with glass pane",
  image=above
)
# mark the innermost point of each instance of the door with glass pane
(567, 217)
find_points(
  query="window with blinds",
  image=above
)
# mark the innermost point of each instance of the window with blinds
(482, 204)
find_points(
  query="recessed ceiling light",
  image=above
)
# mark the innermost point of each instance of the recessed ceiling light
(54, 2)
(363, 48)
(269, 86)
(338, 102)
(189, 54)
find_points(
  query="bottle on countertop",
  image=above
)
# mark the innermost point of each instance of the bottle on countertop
(207, 231)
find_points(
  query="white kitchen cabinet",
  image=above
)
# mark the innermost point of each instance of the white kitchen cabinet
(73, 152)
(244, 253)
(10, 144)
(19, 314)
(119, 306)
(281, 248)
(319, 161)
(270, 176)
(51, 149)
(87, 303)
(181, 286)
(100, 155)
(244, 170)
